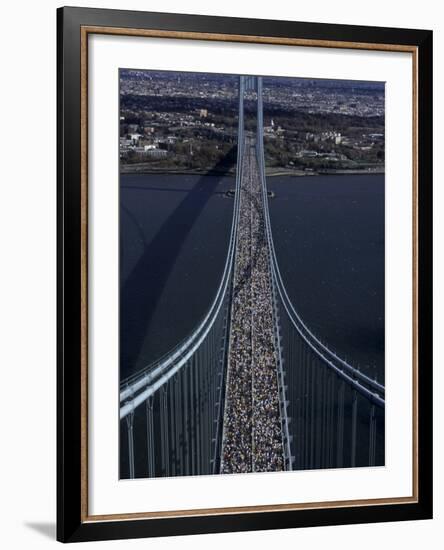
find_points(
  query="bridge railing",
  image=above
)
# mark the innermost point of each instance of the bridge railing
(183, 390)
(334, 411)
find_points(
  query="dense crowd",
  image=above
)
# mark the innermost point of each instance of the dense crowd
(252, 438)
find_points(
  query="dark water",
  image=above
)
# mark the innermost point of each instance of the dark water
(329, 238)
(174, 232)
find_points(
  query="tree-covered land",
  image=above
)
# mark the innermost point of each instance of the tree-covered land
(187, 124)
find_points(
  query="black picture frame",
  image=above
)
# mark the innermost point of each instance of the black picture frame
(73, 523)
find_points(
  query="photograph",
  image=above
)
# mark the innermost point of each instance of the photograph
(244, 255)
(251, 273)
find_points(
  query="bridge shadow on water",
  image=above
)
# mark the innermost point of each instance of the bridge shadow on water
(171, 189)
(141, 292)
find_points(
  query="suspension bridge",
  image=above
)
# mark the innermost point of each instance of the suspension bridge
(252, 388)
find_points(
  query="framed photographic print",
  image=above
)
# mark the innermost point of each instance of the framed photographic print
(244, 284)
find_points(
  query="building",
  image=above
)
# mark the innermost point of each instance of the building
(135, 137)
(156, 153)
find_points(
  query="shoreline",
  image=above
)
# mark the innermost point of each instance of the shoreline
(132, 169)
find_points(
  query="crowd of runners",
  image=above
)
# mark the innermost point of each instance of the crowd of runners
(252, 436)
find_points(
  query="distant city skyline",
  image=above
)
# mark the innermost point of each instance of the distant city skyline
(182, 120)
(194, 83)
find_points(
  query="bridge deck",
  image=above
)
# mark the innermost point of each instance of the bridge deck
(252, 437)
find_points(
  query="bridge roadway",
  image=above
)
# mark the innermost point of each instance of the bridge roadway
(252, 429)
